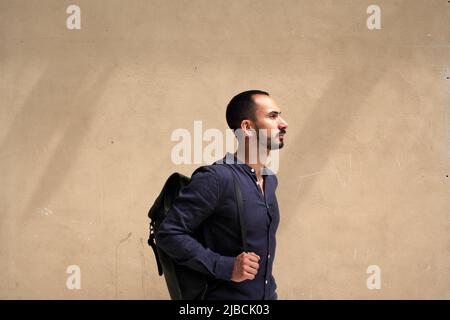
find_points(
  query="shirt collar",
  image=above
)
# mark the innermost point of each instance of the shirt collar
(230, 158)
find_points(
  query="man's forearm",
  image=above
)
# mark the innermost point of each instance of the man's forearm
(185, 250)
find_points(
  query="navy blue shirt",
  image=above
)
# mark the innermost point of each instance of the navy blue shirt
(208, 204)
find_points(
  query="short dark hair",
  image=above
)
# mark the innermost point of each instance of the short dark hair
(242, 107)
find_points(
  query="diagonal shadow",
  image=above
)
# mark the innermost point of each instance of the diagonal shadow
(46, 115)
(327, 124)
(332, 116)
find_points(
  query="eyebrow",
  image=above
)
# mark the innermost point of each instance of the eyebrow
(273, 112)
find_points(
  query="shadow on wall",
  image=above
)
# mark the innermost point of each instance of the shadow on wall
(346, 93)
(62, 105)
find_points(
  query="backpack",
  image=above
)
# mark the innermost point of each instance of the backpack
(182, 282)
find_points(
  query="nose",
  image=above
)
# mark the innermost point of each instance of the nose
(283, 124)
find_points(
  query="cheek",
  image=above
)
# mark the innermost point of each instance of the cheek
(270, 128)
(270, 125)
(272, 131)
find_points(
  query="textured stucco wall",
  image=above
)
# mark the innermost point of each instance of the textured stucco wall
(86, 117)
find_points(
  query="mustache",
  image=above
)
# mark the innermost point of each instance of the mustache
(282, 131)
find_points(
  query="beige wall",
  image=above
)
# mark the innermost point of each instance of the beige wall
(86, 117)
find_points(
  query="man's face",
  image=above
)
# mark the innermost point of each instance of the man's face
(267, 116)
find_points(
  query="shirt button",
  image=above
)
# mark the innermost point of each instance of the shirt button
(253, 170)
(267, 282)
(268, 256)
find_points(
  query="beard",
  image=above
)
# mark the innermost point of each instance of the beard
(275, 145)
(269, 141)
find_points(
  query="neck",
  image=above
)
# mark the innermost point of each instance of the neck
(254, 161)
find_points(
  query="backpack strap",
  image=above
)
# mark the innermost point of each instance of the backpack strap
(240, 207)
(151, 243)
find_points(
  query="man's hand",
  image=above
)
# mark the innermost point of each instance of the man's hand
(245, 267)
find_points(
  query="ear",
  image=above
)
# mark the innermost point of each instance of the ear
(247, 127)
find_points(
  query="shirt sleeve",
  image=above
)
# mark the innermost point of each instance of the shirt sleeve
(175, 236)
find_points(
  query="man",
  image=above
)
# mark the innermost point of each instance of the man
(208, 204)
